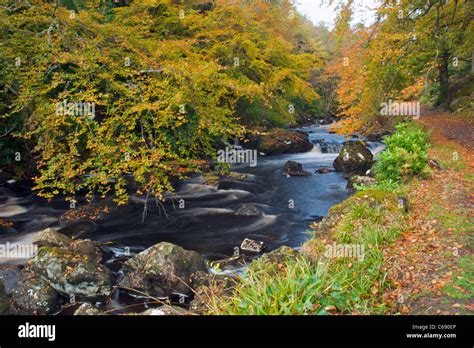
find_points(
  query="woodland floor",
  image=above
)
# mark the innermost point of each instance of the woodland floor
(432, 264)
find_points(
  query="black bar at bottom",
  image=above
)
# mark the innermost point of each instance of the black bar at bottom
(448, 331)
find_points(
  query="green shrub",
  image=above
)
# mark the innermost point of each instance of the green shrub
(405, 155)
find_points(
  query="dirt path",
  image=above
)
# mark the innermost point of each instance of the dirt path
(431, 266)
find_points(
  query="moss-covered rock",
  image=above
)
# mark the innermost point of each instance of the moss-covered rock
(72, 273)
(279, 141)
(50, 237)
(354, 158)
(34, 295)
(163, 269)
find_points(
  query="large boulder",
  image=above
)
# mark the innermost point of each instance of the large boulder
(354, 158)
(72, 273)
(34, 295)
(62, 267)
(279, 141)
(162, 270)
(293, 168)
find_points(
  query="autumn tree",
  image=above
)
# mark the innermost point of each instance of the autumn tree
(167, 80)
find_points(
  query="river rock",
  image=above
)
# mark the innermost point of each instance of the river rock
(86, 309)
(50, 237)
(248, 209)
(293, 168)
(69, 272)
(354, 158)
(162, 269)
(166, 310)
(10, 276)
(252, 245)
(34, 295)
(360, 180)
(280, 141)
(3, 300)
(323, 170)
(86, 247)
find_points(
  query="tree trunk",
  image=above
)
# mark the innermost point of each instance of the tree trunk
(444, 99)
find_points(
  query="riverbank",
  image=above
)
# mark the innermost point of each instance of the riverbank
(415, 242)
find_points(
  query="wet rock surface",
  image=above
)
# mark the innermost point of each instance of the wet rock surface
(34, 295)
(354, 159)
(70, 273)
(293, 168)
(62, 268)
(280, 141)
(50, 237)
(162, 270)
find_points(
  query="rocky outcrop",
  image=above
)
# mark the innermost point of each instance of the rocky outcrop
(163, 269)
(354, 159)
(280, 141)
(293, 168)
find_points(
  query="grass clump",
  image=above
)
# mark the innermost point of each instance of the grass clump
(322, 280)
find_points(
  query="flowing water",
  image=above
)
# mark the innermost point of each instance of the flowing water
(207, 223)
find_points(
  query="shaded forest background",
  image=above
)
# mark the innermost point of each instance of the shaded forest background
(171, 79)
